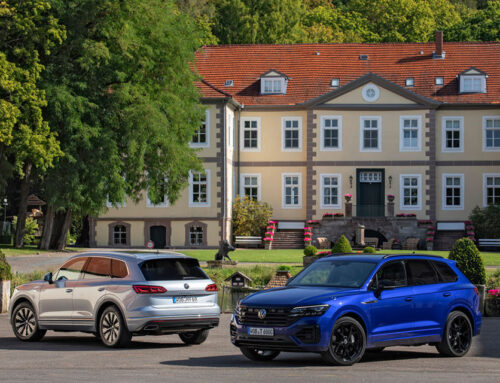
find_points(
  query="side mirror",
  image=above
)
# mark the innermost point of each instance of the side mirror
(48, 278)
(383, 284)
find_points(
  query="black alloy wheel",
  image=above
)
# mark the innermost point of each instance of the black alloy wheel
(347, 343)
(457, 337)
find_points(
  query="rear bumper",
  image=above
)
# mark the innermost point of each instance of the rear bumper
(165, 326)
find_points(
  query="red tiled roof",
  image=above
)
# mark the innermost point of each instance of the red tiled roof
(310, 74)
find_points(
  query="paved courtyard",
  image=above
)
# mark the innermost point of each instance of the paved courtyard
(78, 357)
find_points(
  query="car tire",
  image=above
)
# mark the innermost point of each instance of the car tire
(25, 323)
(259, 355)
(113, 330)
(347, 343)
(457, 337)
(195, 337)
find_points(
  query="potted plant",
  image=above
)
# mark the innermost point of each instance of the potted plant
(390, 197)
(5, 278)
(327, 216)
(348, 197)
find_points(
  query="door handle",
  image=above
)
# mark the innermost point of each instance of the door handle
(408, 299)
(69, 290)
(446, 294)
(368, 302)
(101, 289)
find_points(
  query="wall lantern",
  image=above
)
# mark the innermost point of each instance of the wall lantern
(390, 181)
(350, 181)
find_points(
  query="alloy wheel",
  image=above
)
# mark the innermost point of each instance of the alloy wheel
(25, 322)
(110, 327)
(347, 342)
(459, 335)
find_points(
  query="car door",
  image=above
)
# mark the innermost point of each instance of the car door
(391, 312)
(90, 289)
(56, 299)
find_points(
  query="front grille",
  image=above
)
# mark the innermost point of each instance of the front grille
(275, 317)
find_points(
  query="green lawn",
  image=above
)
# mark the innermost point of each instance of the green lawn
(8, 250)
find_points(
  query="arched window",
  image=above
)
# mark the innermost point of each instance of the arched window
(120, 235)
(196, 236)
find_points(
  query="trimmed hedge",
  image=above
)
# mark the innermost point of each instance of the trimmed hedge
(5, 272)
(369, 250)
(310, 250)
(469, 260)
(342, 246)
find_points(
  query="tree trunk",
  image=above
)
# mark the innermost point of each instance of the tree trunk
(23, 206)
(48, 226)
(63, 231)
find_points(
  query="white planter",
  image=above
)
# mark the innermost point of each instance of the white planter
(4, 296)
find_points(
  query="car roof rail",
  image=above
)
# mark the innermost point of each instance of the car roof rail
(421, 255)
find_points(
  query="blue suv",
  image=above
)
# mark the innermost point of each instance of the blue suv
(344, 305)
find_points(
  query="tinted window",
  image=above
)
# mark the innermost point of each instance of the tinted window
(72, 269)
(392, 274)
(445, 272)
(420, 273)
(118, 269)
(335, 273)
(172, 269)
(98, 268)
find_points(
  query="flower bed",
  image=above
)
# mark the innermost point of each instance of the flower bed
(492, 303)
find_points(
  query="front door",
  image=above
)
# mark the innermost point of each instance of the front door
(370, 190)
(158, 234)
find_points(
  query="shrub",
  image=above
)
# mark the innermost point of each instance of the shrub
(369, 250)
(5, 273)
(493, 281)
(250, 217)
(486, 221)
(469, 260)
(30, 229)
(285, 268)
(310, 250)
(342, 246)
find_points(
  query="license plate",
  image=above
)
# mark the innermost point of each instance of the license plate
(261, 331)
(185, 299)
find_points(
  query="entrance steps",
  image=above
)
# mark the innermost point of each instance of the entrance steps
(288, 239)
(445, 239)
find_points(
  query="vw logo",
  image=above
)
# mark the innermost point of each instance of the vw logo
(186, 286)
(262, 313)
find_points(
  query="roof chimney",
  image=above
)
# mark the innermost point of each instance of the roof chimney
(439, 53)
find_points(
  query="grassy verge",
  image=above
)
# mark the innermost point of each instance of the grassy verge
(10, 251)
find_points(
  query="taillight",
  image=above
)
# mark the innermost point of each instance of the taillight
(476, 291)
(146, 289)
(212, 287)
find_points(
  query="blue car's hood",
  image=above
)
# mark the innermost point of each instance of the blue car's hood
(296, 295)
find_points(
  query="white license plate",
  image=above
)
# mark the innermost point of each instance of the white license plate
(185, 299)
(261, 331)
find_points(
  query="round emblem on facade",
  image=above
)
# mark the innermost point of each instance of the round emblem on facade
(262, 313)
(186, 286)
(371, 93)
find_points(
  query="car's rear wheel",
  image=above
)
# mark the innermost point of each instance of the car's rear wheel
(457, 337)
(347, 343)
(113, 331)
(195, 337)
(259, 355)
(25, 323)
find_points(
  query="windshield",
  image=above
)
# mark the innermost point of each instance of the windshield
(335, 273)
(172, 270)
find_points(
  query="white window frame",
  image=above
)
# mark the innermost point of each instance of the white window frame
(283, 190)
(259, 184)
(482, 79)
(444, 149)
(402, 206)
(462, 191)
(485, 187)
(339, 191)
(199, 204)
(202, 235)
(283, 129)
(150, 204)
(207, 130)
(324, 148)
(486, 149)
(379, 135)
(273, 80)
(418, 148)
(242, 134)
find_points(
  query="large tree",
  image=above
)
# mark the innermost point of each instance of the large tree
(28, 32)
(481, 25)
(122, 98)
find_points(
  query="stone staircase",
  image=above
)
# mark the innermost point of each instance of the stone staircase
(288, 239)
(445, 239)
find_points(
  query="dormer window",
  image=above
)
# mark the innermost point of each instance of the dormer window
(273, 82)
(472, 81)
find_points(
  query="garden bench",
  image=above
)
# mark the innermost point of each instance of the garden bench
(371, 241)
(489, 242)
(240, 240)
(411, 244)
(387, 245)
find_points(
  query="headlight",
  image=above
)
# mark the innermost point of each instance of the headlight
(308, 311)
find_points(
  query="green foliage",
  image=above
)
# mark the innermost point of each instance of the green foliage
(369, 250)
(481, 25)
(493, 281)
(250, 217)
(469, 260)
(342, 246)
(486, 221)
(30, 229)
(5, 272)
(285, 268)
(310, 250)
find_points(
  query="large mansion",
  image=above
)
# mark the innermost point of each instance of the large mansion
(300, 126)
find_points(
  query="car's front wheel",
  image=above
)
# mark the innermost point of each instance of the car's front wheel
(194, 337)
(259, 355)
(457, 337)
(347, 343)
(113, 331)
(25, 323)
